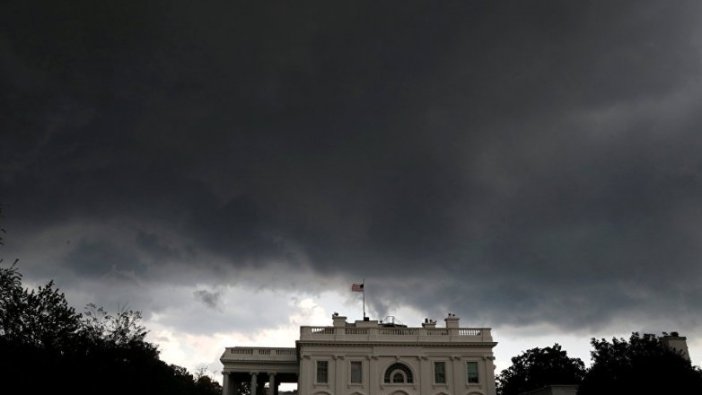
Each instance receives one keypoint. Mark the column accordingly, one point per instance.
(254, 381)
(490, 375)
(271, 383)
(339, 375)
(459, 375)
(225, 384)
(374, 377)
(426, 373)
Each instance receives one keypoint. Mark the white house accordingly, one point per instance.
(370, 357)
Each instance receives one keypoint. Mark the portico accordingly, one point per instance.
(262, 369)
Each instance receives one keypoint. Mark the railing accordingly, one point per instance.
(380, 333)
(398, 331)
(260, 353)
(244, 351)
(322, 330)
(356, 331)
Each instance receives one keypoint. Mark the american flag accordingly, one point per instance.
(355, 287)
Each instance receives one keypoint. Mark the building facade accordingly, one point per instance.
(370, 357)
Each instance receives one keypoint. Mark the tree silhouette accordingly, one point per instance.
(47, 347)
(40, 318)
(205, 384)
(643, 365)
(539, 367)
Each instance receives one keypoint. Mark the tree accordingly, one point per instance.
(539, 367)
(643, 365)
(204, 384)
(37, 331)
(121, 329)
(40, 318)
(47, 347)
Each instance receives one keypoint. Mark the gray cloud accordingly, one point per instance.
(208, 298)
(524, 163)
(99, 258)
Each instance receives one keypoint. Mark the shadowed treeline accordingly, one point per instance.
(645, 364)
(47, 347)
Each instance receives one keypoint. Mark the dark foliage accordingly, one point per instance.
(47, 347)
(539, 367)
(2, 230)
(641, 366)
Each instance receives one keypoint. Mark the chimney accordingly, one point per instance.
(451, 321)
(676, 343)
(339, 320)
(428, 323)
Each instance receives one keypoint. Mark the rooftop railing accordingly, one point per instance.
(260, 353)
(395, 334)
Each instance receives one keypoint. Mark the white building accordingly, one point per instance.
(370, 358)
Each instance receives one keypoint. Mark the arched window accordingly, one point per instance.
(398, 373)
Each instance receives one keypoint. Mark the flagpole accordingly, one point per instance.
(364, 298)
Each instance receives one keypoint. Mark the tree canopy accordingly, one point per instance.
(47, 347)
(538, 367)
(642, 365)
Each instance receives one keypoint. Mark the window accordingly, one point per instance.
(398, 377)
(472, 370)
(356, 372)
(440, 372)
(398, 373)
(322, 372)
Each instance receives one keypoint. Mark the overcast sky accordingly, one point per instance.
(230, 168)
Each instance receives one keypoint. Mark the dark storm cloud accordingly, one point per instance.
(208, 298)
(99, 258)
(524, 161)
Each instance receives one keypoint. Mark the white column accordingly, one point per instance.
(253, 383)
(225, 384)
(426, 374)
(271, 383)
(459, 377)
(339, 376)
(373, 376)
(490, 376)
(305, 378)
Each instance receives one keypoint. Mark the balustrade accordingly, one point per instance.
(262, 353)
(338, 333)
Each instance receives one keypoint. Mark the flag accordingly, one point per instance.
(355, 287)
